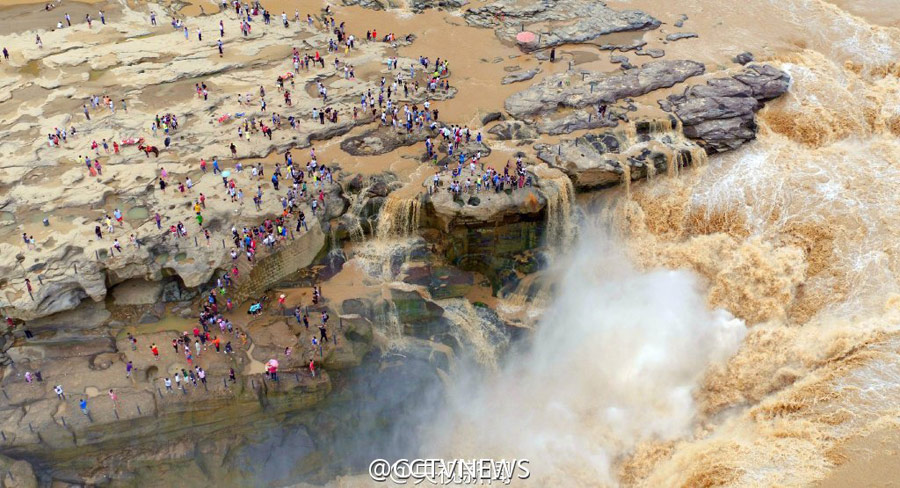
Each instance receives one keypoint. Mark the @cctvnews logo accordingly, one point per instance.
(445, 472)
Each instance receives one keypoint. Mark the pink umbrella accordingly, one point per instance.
(525, 37)
(273, 363)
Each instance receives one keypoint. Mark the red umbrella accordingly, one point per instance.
(525, 37)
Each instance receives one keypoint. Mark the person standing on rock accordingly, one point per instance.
(59, 392)
(84, 408)
(114, 398)
(222, 52)
(87, 113)
(29, 288)
(168, 384)
(155, 351)
(128, 367)
(199, 35)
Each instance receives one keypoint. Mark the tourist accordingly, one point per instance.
(83, 406)
(59, 392)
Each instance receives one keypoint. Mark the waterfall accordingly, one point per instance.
(399, 217)
(560, 226)
(354, 228)
(478, 327)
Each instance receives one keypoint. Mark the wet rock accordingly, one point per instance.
(520, 76)
(441, 281)
(336, 204)
(355, 185)
(174, 291)
(513, 130)
(378, 189)
(602, 160)
(493, 208)
(582, 119)
(153, 315)
(412, 308)
(720, 115)
(680, 22)
(618, 59)
(743, 58)
(681, 35)
(381, 140)
(491, 117)
(653, 53)
(357, 306)
(332, 264)
(473, 201)
(591, 88)
(634, 45)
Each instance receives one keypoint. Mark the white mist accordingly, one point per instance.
(615, 361)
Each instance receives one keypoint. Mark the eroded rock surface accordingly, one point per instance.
(720, 114)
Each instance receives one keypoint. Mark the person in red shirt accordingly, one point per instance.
(155, 351)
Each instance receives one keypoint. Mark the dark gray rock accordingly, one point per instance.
(720, 115)
(520, 76)
(552, 94)
(491, 117)
(681, 35)
(513, 130)
(653, 53)
(743, 58)
(173, 291)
